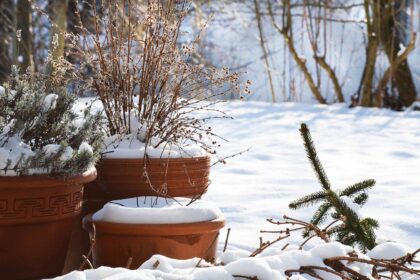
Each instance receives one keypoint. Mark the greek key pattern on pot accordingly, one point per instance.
(40, 207)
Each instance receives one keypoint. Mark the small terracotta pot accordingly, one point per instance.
(37, 215)
(115, 243)
(124, 178)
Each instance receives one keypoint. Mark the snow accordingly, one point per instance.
(50, 101)
(129, 146)
(133, 145)
(11, 93)
(389, 250)
(329, 250)
(154, 210)
(14, 149)
(51, 149)
(353, 145)
(261, 267)
(85, 147)
(402, 49)
(353, 206)
(11, 151)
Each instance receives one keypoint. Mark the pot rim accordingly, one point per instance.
(32, 181)
(153, 160)
(154, 229)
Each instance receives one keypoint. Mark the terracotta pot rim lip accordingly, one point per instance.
(156, 159)
(121, 228)
(85, 177)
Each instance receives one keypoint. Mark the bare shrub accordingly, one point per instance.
(134, 64)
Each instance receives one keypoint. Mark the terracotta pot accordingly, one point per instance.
(37, 214)
(123, 178)
(115, 243)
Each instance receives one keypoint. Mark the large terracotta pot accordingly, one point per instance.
(116, 243)
(37, 215)
(124, 178)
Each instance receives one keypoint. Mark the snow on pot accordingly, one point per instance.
(141, 227)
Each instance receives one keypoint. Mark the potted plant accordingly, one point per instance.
(152, 91)
(47, 153)
(126, 233)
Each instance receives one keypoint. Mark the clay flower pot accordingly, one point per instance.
(117, 242)
(37, 214)
(124, 178)
(172, 177)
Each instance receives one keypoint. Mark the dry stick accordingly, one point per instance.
(222, 160)
(246, 277)
(283, 231)
(290, 221)
(129, 262)
(306, 241)
(87, 261)
(156, 264)
(385, 264)
(338, 266)
(226, 241)
(199, 195)
(207, 251)
(312, 267)
(267, 244)
(309, 272)
(92, 243)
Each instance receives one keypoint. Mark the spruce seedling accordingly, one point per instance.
(353, 229)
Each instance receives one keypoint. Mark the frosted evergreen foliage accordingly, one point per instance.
(339, 204)
(39, 131)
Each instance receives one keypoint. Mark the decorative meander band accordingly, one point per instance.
(41, 208)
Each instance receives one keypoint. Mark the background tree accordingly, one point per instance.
(394, 34)
(23, 56)
(58, 15)
(6, 31)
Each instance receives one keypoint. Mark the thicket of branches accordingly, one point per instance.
(405, 267)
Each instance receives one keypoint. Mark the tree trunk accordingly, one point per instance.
(58, 15)
(5, 60)
(366, 86)
(401, 77)
(6, 28)
(23, 46)
(264, 49)
(287, 32)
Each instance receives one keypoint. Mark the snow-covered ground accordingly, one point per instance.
(353, 144)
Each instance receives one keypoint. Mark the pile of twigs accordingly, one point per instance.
(338, 266)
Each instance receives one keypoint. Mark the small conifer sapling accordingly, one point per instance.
(353, 230)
